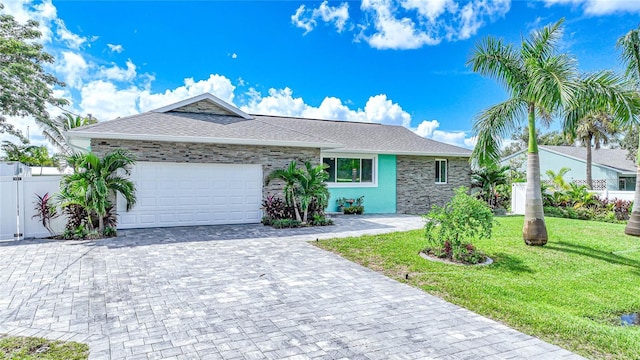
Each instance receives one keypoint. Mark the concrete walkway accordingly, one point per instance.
(239, 292)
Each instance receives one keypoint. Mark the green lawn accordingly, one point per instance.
(26, 348)
(569, 292)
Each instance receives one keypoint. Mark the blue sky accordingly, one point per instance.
(390, 61)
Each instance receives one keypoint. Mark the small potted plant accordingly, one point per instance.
(354, 209)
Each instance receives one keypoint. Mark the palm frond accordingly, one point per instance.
(629, 44)
(499, 61)
(492, 126)
(542, 43)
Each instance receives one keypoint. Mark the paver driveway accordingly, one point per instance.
(238, 292)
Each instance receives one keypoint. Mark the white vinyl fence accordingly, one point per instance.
(518, 196)
(17, 196)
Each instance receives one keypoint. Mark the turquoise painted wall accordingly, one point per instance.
(555, 162)
(377, 200)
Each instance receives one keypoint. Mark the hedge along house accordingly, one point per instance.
(202, 161)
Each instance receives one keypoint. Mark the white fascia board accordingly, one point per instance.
(196, 139)
(205, 96)
(411, 153)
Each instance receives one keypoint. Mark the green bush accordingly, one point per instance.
(451, 229)
(356, 209)
(319, 220)
(285, 223)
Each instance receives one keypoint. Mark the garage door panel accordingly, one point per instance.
(182, 194)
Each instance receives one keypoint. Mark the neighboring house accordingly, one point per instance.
(610, 167)
(202, 161)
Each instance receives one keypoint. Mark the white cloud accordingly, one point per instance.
(391, 32)
(426, 128)
(72, 40)
(408, 24)
(429, 129)
(71, 67)
(307, 19)
(117, 73)
(234, 56)
(600, 7)
(116, 48)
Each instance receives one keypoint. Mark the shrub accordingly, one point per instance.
(45, 211)
(451, 229)
(276, 208)
(285, 223)
(319, 220)
(353, 210)
(109, 232)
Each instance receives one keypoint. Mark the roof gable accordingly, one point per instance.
(204, 104)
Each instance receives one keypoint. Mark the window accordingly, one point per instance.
(441, 171)
(350, 169)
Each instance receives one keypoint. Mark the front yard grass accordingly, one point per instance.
(26, 348)
(570, 292)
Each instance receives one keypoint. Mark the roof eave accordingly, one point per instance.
(199, 139)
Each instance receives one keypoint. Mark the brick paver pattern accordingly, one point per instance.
(239, 292)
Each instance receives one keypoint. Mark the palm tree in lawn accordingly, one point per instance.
(97, 181)
(289, 176)
(541, 83)
(629, 44)
(596, 129)
(312, 185)
(53, 129)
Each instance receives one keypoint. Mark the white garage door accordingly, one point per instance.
(183, 194)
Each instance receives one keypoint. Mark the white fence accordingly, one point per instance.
(17, 195)
(518, 196)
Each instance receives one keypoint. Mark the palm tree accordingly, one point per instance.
(53, 129)
(97, 181)
(312, 185)
(487, 179)
(594, 129)
(541, 83)
(290, 177)
(629, 44)
(559, 183)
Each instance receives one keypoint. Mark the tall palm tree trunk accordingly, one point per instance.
(589, 179)
(534, 231)
(633, 225)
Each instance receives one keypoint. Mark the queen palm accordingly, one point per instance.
(541, 83)
(629, 44)
(97, 181)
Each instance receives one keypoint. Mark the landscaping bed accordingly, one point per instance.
(570, 292)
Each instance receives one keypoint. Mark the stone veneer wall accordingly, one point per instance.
(416, 187)
(270, 157)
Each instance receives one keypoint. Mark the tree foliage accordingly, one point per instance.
(96, 183)
(25, 87)
(30, 155)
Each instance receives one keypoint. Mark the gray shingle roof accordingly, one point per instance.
(262, 129)
(613, 158)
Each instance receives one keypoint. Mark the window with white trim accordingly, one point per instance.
(441, 171)
(350, 169)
